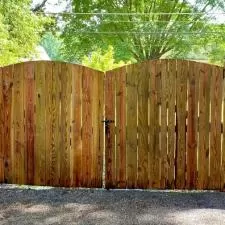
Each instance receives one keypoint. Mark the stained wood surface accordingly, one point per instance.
(131, 132)
(110, 130)
(121, 127)
(77, 126)
(215, 134)
(163, 140)
(166, 130)
(143, 128)
(2, 153)
(193, 86)
(154, 149)
(171, 76)
(204, 108)
(18, 126)
(181, 100)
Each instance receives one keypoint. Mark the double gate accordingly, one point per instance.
(157, 124)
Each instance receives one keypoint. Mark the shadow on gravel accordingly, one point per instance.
(82, 206)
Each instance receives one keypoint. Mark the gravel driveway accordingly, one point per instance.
(25, 205)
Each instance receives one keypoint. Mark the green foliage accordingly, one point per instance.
(52, 44)
(20, 30)
(145, 36)
(102, 61)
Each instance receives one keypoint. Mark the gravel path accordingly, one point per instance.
(25, 205)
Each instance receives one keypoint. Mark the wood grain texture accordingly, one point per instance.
(121, 127)
(215, 135)
(40, 139)
(143, 128)
(48, 124)
(87, 135)
(193, 86)
(95, 127)
(1, 129)
(100, 150)
(131, 138)
(110, 173)
(55, 125)
(204, 131)
(222, 186)
(77, 125)
(29, 106)
(7, 75)
(181, 100)
(66, 85)
(18, 125)
(154, 150)
(171, 76)
(163, 143)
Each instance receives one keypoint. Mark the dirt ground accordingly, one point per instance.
(37, 205)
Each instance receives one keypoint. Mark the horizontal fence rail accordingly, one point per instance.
(156, 124)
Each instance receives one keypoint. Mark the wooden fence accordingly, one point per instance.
(50, 124)
(164, 125)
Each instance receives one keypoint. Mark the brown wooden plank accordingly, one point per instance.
(121, 127)
(76, 127)
(154, 151)
(66, 83)
(95, 124)
(7, 75)
(171, 76)
(222, 186)
(55, 129)
(87, 136)
(97, 117)
(18, 125)
(215, 135)
(110, 130)
(181, 100)
(48, 125)
(204, 107)
(99, 166)
(163, 144)
(131, 139)
(193, 86)
(2, 133)
(143, 128)
(29, 105)
(40, 120)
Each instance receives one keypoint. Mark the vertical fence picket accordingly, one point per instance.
(204, 107)
(7, 76)
(171, 76)
(110, 130)
(18, 125)
(77, 126)
(121, 126)
(1, 129)
(215, 134)
(192, 116)
(143, 128)
(131, 137)
(181, 101)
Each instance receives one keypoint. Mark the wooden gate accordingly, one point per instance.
(165, 126)
(50, 124)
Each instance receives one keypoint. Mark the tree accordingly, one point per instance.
(141, 32)
(53, 45)
(20, 30)
(102, 61)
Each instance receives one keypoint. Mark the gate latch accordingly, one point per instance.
(107, 122)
